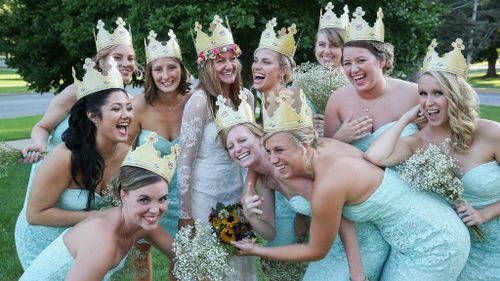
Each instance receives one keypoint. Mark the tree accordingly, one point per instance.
(484, 31)
(47, 38)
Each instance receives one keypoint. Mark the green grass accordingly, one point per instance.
(17, 128)
(490, 112)
(12, 191)
(11, 82)
(476, 80)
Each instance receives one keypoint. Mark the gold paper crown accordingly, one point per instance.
(359, 29)
(120, 36)
(146, 156)
(226, 116)
(284, 43)
(453, 61)
(156, 49)
(285, 117)
(330, 20)
(93, 81)
(221, 36)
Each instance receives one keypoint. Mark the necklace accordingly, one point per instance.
(366, 107)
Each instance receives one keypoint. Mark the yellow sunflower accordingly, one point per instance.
(215, 223)
(231, 220)
(227, 235)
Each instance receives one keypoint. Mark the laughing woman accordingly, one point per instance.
(97, 246)
(358, 113)
(206, 173)
(159, 109)
(69, 182)
(451, 108)
(428, 241)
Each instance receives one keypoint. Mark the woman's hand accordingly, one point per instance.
(352, 130)
(251, 205)
(319, 124)
(470, 216)
(414, 115)
(246, 247)
(31, 152)
(185, 222)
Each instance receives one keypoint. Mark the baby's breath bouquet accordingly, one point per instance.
(318, 82)
(199, 254)
(434, 169)
(9, 156)
(230, 225)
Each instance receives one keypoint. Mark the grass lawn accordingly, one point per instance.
(17, 128)
(477, 82)
(11, 82)
(490, 112)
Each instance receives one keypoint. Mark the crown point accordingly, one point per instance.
(171, 34)
(152, 35)
(380, 15)
(119, 21)
(329, 6)
(346, 9)
(88, 64)
(458, 44)
(359, 12)
(197, 27)
(293, 29)
(100, 24)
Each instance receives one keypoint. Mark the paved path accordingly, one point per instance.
(17, 105)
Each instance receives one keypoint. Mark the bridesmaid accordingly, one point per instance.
(159, 109)
(358, 113)
(428, 241)
(69, 182)
(451, 106)
(206, 173)
(97, 246)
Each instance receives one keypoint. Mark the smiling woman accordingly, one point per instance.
(93, 149)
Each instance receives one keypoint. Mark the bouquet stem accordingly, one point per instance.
(476, 229)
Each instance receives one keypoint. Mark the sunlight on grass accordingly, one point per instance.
(17, 128)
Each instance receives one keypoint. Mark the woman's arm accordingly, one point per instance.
(162, 240)
(389, 149)
(51, 180)
(192, 126)
(349, 237)
(327, 202)
(58, 109)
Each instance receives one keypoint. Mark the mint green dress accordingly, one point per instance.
(30, 239)
(170, 219)
(428, 240)
(482, 188)
(55, 262)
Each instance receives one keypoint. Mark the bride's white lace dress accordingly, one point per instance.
(206, 174)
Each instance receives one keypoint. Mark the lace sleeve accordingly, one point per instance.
(193, 122)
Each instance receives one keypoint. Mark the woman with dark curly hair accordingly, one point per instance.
(70, 181)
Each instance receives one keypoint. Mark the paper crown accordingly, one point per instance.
(330, 20)
(156, 49)
(227, 117)
(146, 156)
(94, 81)
(221, 36)
(120, 36)
(359, 29)
(453, 61)
(285, 117)
(283, 43)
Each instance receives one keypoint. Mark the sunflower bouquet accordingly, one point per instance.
(318, 82)
(9, 156)
(433, 169)
(229, 225)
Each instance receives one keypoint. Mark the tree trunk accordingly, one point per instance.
(492, 59)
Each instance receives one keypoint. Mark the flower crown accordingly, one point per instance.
(209, 47)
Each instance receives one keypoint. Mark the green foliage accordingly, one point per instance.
(47, 38)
